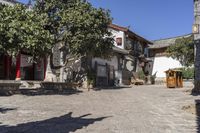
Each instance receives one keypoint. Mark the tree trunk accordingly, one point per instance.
(62, 68)
(49, 75)
(197, 69)
(87, 66)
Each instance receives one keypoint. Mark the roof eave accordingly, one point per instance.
(121, 51)
(157, 47)
(130, 33)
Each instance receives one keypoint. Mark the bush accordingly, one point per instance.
(91, 77)
(153, 78)
(188, 73)
(141, 75)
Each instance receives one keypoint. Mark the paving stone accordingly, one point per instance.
(141, 109)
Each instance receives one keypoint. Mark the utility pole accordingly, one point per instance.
(196, 33)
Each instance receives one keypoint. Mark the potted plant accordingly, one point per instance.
(90, 83)
(153, 78)
(91, 79)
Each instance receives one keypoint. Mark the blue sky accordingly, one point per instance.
(152, 19)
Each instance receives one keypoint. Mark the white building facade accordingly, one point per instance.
(127, 48)
(161, 62)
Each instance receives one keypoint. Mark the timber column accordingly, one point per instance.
(18, 73)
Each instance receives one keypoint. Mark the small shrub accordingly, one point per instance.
(141, 75)
(91, 77)
(153, 78)
(188, 73)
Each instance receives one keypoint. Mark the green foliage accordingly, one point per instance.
(91, 77)
(183, 51)
(188, 73)
(141, 75)
(82, 28)
(22, 30)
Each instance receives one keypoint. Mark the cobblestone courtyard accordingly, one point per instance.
(141, 109)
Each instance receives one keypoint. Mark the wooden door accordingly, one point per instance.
(111, 75)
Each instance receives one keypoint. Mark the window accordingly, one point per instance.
(119, 41)
(129, 44)
(146, 52)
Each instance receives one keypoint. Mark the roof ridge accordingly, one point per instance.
(173, 37)
(128, 31)
(112, 24)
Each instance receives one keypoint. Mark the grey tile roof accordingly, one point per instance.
(162, 43)
(11, 1)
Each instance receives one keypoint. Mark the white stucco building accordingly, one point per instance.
(164, 63)
(128, 46)
(161, 62)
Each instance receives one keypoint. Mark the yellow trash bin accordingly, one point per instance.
(174, 78)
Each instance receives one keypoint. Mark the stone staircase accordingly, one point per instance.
(30, 87)
(10, 87)
(47, 88)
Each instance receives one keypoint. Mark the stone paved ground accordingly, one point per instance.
(141, 109)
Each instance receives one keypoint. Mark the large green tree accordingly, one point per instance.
(183, 51)
(81, 27)
(22, 30)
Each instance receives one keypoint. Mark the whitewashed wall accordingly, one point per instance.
(162, 64)
(117, 34)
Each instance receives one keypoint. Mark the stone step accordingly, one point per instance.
(30, 84)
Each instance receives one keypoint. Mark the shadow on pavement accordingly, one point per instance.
(36, 92)
(4, 110)
(111, 88)
(194, 93)
(62, 124)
